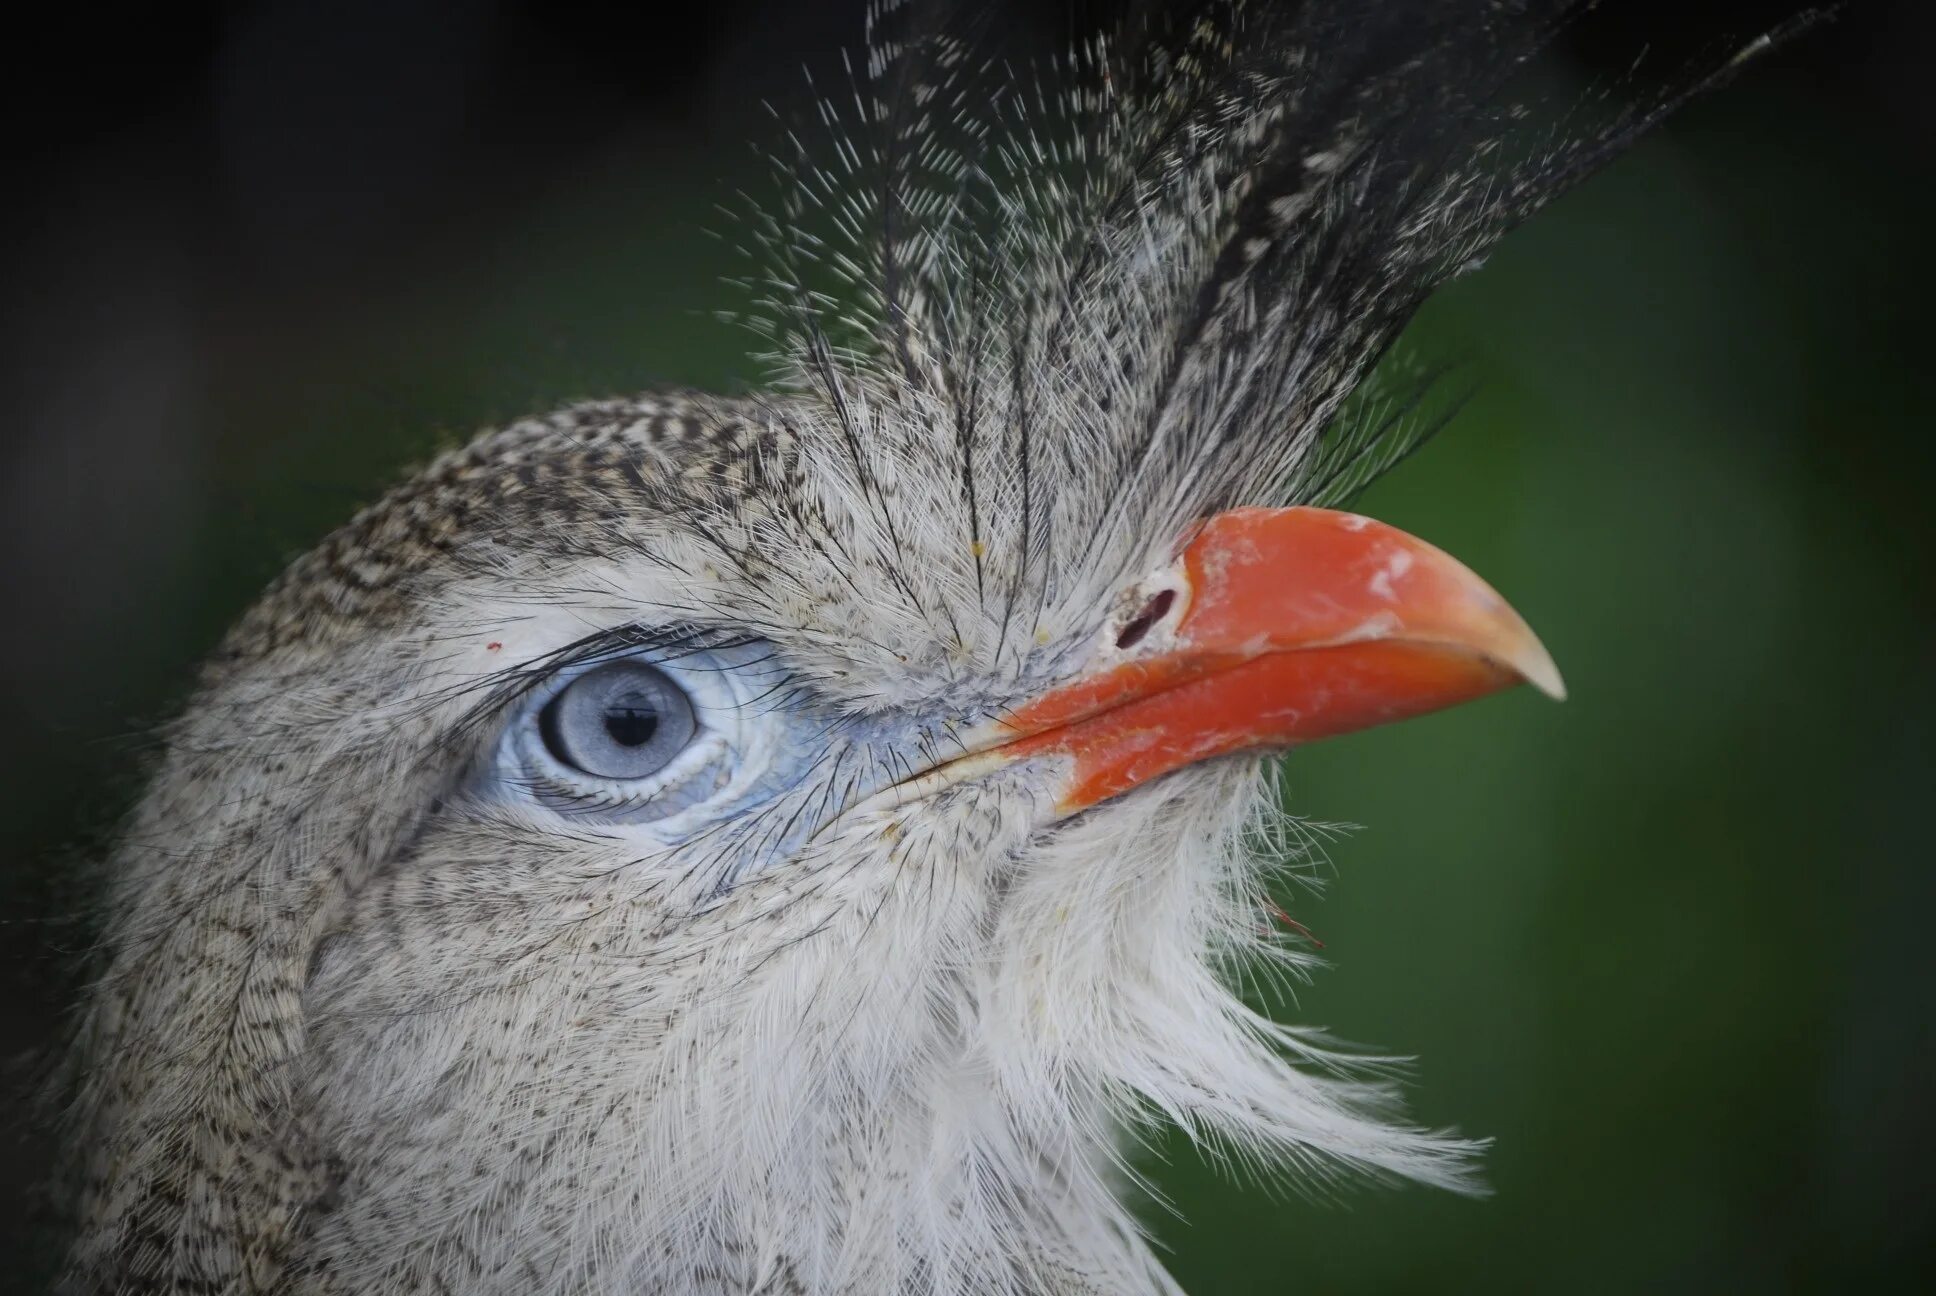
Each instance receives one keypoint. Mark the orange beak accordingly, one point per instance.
(1276, 627)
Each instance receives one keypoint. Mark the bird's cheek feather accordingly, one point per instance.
(1276, 627)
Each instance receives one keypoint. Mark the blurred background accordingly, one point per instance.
(1668, 945)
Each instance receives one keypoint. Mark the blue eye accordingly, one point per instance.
(624, 720)
(667, 744)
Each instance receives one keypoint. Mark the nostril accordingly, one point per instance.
(1139, 625)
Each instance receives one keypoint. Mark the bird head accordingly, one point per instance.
(788, 842)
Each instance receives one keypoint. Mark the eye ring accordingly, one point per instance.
(716, 741)
(622, 721)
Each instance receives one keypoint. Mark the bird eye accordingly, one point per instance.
(668, 743)
(624, 720)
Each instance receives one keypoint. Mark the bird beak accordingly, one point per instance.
(1274, 627)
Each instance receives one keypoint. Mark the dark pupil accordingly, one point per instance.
(631, 720)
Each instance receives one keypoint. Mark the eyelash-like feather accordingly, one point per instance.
(653, 643)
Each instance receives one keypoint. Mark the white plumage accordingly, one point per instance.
(391, 1004)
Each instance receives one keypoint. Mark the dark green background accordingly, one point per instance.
(1666, 944)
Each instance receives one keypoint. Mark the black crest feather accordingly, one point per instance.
(1187, 243)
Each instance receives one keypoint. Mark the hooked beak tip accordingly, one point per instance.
(1536, 666)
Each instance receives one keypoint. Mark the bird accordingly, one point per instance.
(802, 841)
